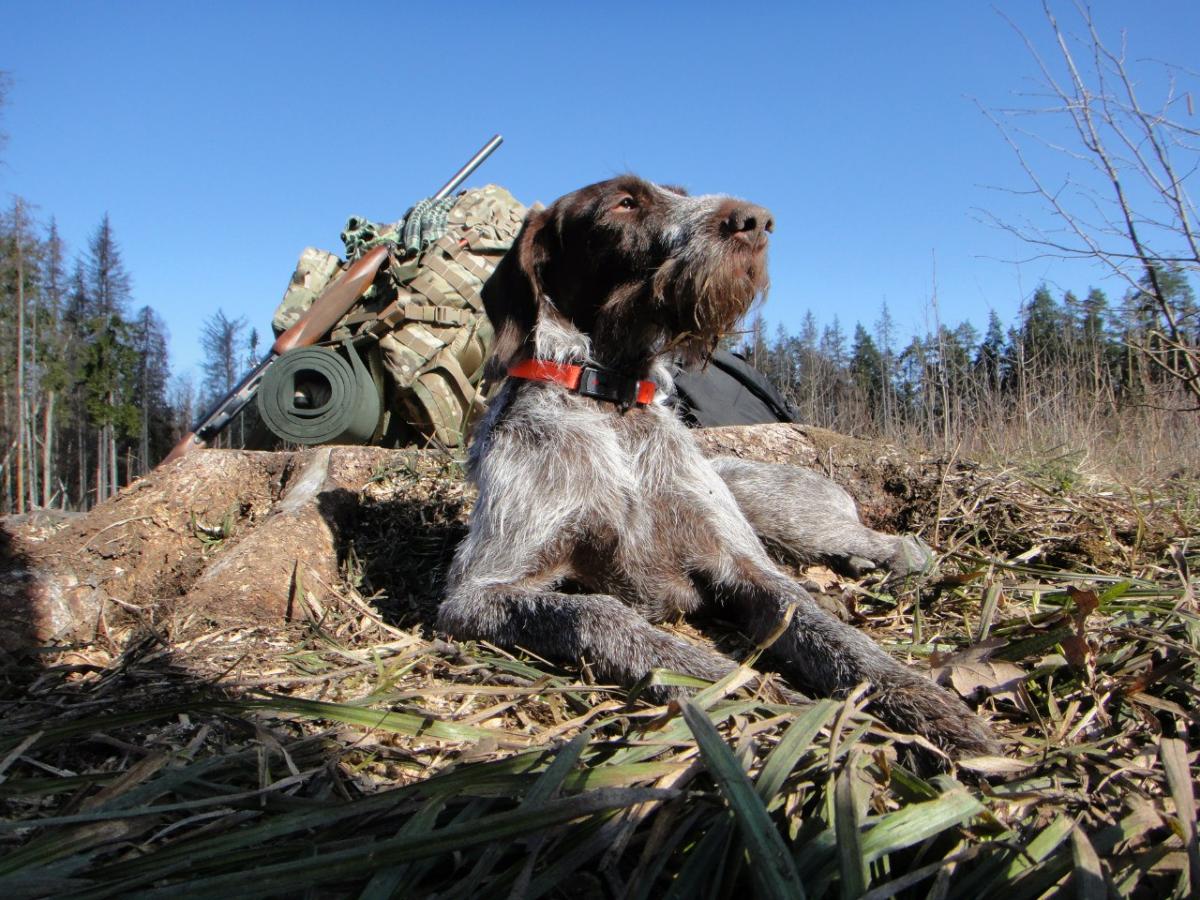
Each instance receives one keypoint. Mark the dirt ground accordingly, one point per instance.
(222, 537)
(239, 647)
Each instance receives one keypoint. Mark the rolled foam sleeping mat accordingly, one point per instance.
(312, 395)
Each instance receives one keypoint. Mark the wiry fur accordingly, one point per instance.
(593, 523)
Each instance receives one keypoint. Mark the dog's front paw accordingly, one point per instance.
(915, 703)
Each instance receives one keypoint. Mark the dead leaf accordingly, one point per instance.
(1086, 601)
(996, 678)
(1076, 650)
(977, 652)
(994, 765)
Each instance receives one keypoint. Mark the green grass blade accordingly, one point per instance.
(569, 857)
(847, 821)
(769, 856)
(676, 733)
(1089, 880)
(52, 847)
(502, 778)
(386, 882)
(552, 779)
(795, 741)
(105, 723)
(1174, 755)
(412, 724)
(703, 864)
(918, 822)
(545, 787)
(1042, 846)
(988, 611)
(620, 774)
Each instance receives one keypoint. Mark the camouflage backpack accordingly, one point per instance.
(420, 329)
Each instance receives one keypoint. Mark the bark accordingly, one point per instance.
(113, 484)
(101, 467)
(20, 404)
(48, 452)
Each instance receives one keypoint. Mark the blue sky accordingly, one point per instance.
(222, 138)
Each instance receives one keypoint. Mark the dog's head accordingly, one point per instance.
(635, 266)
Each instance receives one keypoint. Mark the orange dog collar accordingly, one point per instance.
(587, 381)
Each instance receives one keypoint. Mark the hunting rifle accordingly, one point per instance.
(335, 301)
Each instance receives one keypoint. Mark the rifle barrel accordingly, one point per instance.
(472, 164)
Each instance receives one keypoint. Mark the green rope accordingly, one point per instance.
(426, 222)
(420, 227)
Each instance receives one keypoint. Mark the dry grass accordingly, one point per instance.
(358, 757)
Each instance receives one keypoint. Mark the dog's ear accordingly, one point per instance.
(512, 293)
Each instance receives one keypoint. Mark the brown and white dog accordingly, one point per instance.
(597, 513)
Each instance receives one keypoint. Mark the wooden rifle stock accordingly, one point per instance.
(335, 301)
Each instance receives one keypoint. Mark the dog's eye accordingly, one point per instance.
(627, 203)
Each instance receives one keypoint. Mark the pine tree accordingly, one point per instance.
(182, 403)
(1167, 332)
(808, 331)
(252, 355)
(77, 324)
(963, 345)
(1092, 319)
(109, 284)
(989, 356)
(220, 340)
(1041, 329)
(885, 334)
(784, 362)
(109, 358)
(1095, 354)
(755, 348)
(913, 380)
(866, 368)
(108, 372)
(21, 258)
(809, 366)
(49, 345)
(150, 376)
(833, 343)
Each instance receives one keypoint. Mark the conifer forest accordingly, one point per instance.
(88, 400)
(88, 397)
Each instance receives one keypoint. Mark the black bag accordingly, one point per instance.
(729, 391)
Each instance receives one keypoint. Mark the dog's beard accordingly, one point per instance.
(690, 304)
(704, 298)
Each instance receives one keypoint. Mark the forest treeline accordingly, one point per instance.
(1082, 378)
(87, 397)
(88, 401)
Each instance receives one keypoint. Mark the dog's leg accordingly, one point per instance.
(620, 646)
(526, 531)
(824, 655)
(811, 519)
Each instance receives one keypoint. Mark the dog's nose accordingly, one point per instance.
(750, 223)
